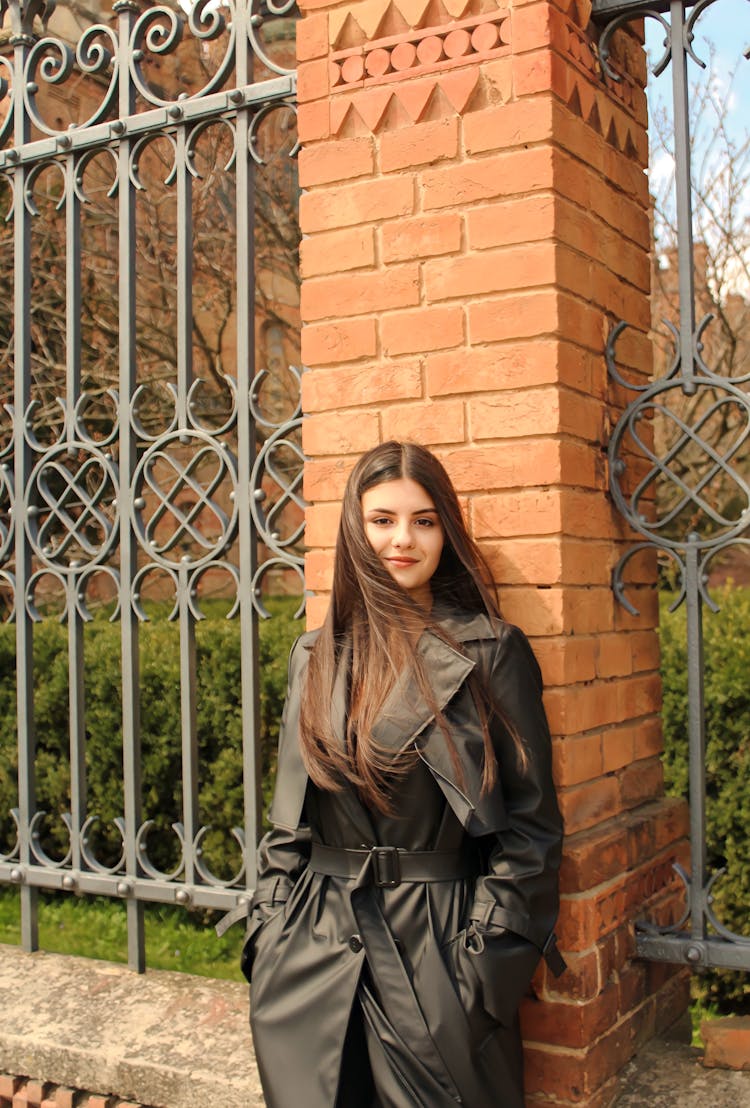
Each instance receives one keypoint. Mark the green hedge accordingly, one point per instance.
(218, 723)
(727, 658)
(727, 699)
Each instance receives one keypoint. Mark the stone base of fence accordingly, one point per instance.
(24, 1092)
(105, 1037)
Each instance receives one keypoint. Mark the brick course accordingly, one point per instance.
(25, 1092)
(727, 1042)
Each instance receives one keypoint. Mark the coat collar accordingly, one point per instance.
(405, 716)
(405, 712)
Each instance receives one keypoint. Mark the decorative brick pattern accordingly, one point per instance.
(411, 59)
(361, 22)
(24, 1092)
(422, 51)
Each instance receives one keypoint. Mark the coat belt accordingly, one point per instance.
(389, 865)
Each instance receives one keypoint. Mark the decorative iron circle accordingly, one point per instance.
(71, 506)
(184, 499)
(6, 513)
(706, 523)
(280, 461)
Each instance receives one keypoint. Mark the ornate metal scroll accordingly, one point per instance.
(133, 451)
(699, 469)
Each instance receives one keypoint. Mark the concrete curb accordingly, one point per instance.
(168, 1040)
(669, 1074)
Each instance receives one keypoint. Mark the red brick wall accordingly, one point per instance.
(24, 1092)
(475, 215)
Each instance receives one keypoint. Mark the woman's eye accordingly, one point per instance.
(425, 522)
(380, 521)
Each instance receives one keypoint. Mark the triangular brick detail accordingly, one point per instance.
(344, 31)
(612, 137)
(594, 119)
(353, 125)
(630, 148)
(394, 117)
(439, 106)
(459, 86)
(575, 102)
(370, 16)
(412, 11)
(457, 8)
(434, 15)
(371, 105)
(414, 96)
(340, 106)
(587, 98)
(393, 23)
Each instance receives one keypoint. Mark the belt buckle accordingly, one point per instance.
(386, 867)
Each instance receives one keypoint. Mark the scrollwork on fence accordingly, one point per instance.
(686, 490)
(141, 458)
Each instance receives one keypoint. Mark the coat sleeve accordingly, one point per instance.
(283, 853)
(516, 899)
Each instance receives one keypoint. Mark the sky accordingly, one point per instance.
(726, 24)
(724, 30)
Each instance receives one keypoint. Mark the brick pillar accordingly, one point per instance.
(475, 217)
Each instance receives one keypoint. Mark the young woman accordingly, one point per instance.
(409, 883)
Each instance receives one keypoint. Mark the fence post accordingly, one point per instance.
(475, 218)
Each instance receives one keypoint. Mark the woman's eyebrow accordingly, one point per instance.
(393, 511)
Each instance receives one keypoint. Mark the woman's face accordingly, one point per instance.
(402, 526)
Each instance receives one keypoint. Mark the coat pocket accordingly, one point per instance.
(258, 929)
(504, 967)
(271, 921)
(459, 962)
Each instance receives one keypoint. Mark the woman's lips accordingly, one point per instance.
(402, 561)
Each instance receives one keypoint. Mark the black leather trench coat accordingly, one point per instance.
(436, 968)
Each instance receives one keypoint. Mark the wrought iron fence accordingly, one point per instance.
(688, 494)
(147, 459)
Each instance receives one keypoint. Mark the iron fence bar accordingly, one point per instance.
(137, 124)
(76, 690)
(683, 199)
(22, 467)
(714, 952)
(188, 670)
(604, 11)
(246, 451)
(696, 739)
(127, 12)
(145, 888)
(77, 724)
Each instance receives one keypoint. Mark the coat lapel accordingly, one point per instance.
(405, 712)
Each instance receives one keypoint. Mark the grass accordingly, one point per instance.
(95, 927)
(699, 1012)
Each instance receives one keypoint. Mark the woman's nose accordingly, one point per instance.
(402, 535)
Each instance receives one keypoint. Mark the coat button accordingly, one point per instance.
(355, 944)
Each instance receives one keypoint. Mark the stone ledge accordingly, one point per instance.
(169, 1040)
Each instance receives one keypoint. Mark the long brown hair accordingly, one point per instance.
(372, 611)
